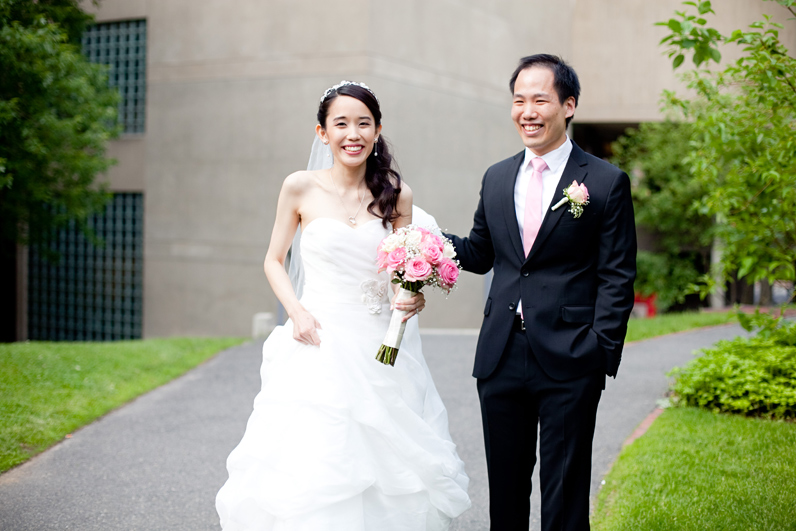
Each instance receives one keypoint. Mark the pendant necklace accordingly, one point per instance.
(351, 219)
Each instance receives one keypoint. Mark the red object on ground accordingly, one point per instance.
(649, 302)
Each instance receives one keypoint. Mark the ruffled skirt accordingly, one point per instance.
(338, 441)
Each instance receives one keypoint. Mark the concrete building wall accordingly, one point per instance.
(232, 92)
(622, 68)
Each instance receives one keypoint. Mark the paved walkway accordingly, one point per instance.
(157, 463)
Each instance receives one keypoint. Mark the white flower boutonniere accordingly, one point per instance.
(577, 195)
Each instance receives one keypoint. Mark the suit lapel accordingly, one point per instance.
(575, 170)
(507, 204)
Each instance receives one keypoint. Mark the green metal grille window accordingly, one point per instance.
(122, 45)
(91, 293)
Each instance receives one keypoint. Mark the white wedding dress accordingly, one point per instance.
(337, 441)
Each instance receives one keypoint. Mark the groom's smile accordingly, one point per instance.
(531, 128)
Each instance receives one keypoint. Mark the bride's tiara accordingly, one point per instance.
(343, 84)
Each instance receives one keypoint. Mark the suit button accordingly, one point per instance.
(525, 272)
(512, 306)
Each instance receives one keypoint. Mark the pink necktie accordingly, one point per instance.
(533, 205)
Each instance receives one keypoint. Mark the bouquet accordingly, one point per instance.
(414, 257)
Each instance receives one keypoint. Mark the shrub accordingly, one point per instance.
(751, 376)
(667, 275)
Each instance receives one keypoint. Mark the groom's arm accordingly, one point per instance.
(475, 252)
(616, 272)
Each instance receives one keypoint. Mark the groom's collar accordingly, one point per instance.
(554, 159)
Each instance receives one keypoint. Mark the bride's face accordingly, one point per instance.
(350, 131)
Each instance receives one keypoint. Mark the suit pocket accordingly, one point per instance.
(488, 306)
(577, 314)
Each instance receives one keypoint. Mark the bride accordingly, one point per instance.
(338, 441)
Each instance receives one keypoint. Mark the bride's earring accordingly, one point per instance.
(375, 146)
(326, 143)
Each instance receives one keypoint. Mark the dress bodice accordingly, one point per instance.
(340, 261)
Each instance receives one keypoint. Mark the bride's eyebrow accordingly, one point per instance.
(343, 118)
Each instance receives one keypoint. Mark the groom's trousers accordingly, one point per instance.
(516, 396)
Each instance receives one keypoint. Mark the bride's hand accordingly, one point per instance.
(305, 329)
(412, 305)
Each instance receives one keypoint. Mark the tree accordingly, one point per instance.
(744, 146)
(664, 195)
(57, 114)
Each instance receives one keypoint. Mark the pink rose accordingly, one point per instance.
(448, 272)
(431, 252)
(578, 193)
(436, 240)
(395, 260)
(417, 269)
(381, 260)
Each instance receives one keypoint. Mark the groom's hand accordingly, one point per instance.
(412, 305)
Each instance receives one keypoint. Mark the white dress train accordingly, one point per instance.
(338, 441)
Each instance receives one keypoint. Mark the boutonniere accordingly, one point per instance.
(577, 195)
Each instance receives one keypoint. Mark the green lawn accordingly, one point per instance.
(638, 329)
(696, 470)
(47, 390)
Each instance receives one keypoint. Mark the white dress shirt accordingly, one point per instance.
(556, 161)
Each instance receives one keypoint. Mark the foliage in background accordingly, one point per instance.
(670, 276)
(697, 470)
(57, 114)
(665, 195)
(48, 390)
(743, 149)
(750, 376)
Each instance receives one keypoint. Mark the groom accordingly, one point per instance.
(555, 319)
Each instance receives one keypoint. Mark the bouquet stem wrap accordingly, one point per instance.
(395, 333)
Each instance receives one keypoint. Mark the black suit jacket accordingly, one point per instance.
(576, 284)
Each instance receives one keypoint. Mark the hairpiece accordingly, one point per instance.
(343, 84)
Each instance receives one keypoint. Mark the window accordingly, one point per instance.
(122, 46)
(91, 293)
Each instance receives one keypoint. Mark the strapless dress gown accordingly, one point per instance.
(338, 441)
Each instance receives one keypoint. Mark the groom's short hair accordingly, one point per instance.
(565, 80)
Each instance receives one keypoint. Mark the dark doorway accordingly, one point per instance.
(8, 291)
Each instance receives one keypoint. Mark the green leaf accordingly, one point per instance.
(675, 25)
(678, 60)
(704, 7)
(715, 54)
(747, 264)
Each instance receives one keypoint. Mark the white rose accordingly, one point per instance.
(390, 243)
(448, 251)
(414, 238)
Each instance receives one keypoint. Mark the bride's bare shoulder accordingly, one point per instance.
(405, 199)
(300, 182)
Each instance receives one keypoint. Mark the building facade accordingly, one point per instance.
(226, 109)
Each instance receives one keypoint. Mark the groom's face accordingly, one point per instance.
(538, 115)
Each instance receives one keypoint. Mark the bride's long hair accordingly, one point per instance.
(381, 179)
